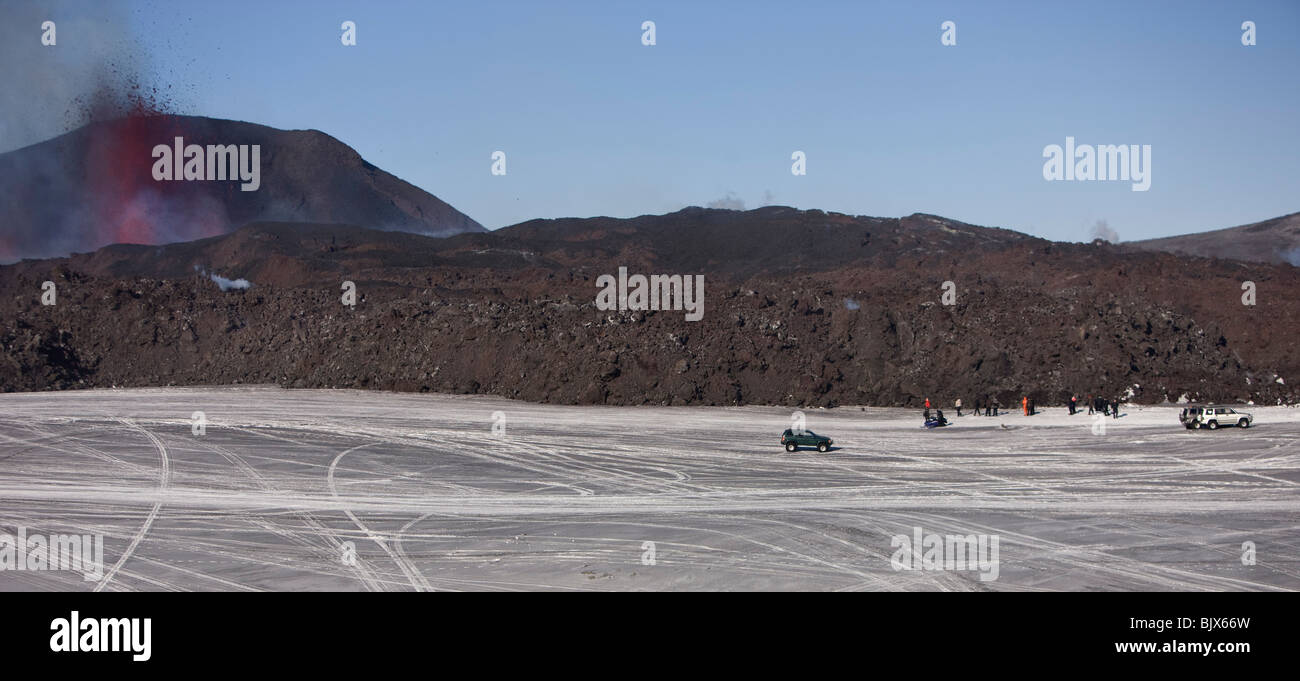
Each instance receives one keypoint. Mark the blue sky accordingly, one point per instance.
(595, 123)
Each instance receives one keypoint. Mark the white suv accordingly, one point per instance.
(1213, 417)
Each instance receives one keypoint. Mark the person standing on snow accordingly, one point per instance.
(959, 406)
(1024, 404)
(1073, 400)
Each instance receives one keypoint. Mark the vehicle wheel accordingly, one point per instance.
(1244, 423)
(822, 448)
(790, 447)
(1190, 426)
(1212, 425)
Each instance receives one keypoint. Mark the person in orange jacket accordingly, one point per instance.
(1024, 402)
(927, 403)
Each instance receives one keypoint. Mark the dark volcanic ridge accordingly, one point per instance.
(94, 186)
(801, 308)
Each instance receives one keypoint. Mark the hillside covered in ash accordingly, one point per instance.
(1276, 241)
(800, 308)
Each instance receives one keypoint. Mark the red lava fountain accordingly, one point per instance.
(129, 205)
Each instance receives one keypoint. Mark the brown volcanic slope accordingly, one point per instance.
(1276, 241)
(801, 308)
(94, 186)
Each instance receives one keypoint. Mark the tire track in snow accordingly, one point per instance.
(163, 478)
(413, 575)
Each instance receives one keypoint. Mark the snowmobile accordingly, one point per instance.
(936, 421)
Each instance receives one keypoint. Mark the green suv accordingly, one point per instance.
(804, 438)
